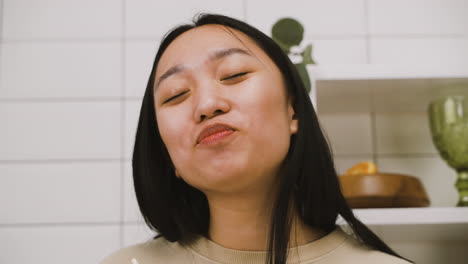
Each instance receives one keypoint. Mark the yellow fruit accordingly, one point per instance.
(365, 167)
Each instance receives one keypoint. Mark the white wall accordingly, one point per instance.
(72, 75)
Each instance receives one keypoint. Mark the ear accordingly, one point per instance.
(293, 122)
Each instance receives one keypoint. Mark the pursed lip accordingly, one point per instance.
(213, 129)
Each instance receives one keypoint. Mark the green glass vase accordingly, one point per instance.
(448, 118)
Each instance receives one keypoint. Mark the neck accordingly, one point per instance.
(242, 222)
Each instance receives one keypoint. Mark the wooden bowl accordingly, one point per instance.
(383, 190)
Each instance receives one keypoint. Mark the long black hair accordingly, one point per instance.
(308, 181)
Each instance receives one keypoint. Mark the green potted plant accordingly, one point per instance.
(288, 33)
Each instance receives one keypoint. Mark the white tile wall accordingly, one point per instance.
(57, 244)
(418, 17)
(344, 97)
(404, 133)
(137, 233)
(60, 69)
(65, 66)
(132, 113)
(343, 51)
(348, 133)
(139, 58)
(387, 95)
(449, 52)
(59, 130)
(319, 17)
(59, 19)
(60, 193)
(144, 17)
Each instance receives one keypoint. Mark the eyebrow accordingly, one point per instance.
(217, 55)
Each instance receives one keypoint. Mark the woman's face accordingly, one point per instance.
(222, 110)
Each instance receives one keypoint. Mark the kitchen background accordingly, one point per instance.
(73, 73)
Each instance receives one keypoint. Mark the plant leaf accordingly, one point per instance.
(307, 55)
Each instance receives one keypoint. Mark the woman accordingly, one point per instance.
(230, 164)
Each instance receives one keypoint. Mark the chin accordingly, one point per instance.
(223, 182)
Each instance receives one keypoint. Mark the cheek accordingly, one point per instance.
(266, 112)
(264, 101)
(173, 133)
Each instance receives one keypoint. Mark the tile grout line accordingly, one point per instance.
(122, 125)
(66, 224)
(52, 160)
(126, 160)
(419, 36)
(57, 224)
(61, 39)
(375, 157)
(312, 36)
(69, 99)
(367, 35)
(369, 61)
(388, 155)
(244, 10)
(373, 123)
(1, 37)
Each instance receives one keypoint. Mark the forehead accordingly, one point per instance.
(194, 45)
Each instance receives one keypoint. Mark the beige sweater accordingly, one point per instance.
(336, 247)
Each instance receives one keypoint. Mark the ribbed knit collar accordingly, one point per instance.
(315, 249)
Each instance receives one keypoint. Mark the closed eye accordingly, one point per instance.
(174, 97)
(234, 76)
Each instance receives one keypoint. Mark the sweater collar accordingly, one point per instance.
(215, 252)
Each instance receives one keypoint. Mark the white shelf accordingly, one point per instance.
(380, 88)
(411, 216)
(384, 89)
(375, 71)
(416, 224)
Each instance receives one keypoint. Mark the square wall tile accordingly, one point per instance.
(404, 133)
(60, 130)
(42, 19)
(132, 115)
(319, 17)
(342, 51)
(152, 19)
(349, 134)
(418, 17)
(438, 179)
(450, 53)
(57, 244)
(402, 95)
(137, 233)
(60, 192)
(343, 96)
(60, 69)
(139, 59)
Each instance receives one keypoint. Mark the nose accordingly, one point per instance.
(210, 102)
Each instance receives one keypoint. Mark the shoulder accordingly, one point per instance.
(155, 251)
(356, 252)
